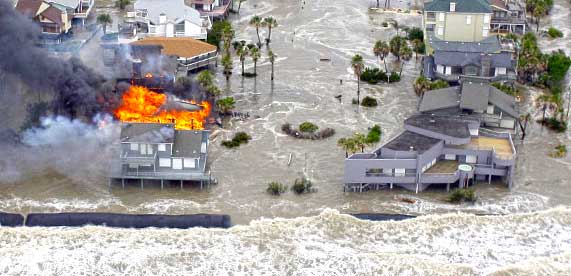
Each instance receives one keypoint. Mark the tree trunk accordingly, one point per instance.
(401, 66)
(537, 29)
(104, 28)
(258, 33)
(377, 4)
(255, 68)
(239, 6)
(346, 154)
(272, 71)
(242, 68)
(358, 88)
(269, 33)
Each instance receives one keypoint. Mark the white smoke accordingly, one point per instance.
(78, 150)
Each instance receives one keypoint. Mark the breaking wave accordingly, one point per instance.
(328, 244)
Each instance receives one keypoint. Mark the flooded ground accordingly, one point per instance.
(304, 90)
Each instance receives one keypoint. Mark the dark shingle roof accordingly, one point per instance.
(490, 44)
(475, 96)
(470, 6)
(408, 139)
(444, 125)
(147, 133)
(188, 143)
(503, 101)
(440, 99)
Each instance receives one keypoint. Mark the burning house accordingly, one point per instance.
(162, 138)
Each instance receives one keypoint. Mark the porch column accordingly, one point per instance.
(142, 184)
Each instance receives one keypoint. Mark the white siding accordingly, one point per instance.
(486, 19)
(190, 163)
(169, 30)
(400, 172)
(471, 159)
(191, 29)
(440, 30)
(441, 17)
(162, 147)
(468, 19)
(165, 162)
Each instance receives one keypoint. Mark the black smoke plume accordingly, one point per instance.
(71, 85)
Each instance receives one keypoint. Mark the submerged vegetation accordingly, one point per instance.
(302, 185)
(553, 32)
(422, 84)
(560, 151)
(359, 141)
(462, 195)
(276, 188)
(369, 102)
(309, 131)
(239, 139)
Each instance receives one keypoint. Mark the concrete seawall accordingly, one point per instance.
(382, 217)
(7, 219)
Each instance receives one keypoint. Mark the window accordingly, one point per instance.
(164, 162)
(134, 146)
(441, 17)
(177, 163)
(450, 156)
(190, 163)
(486, 19)
(490, 109)
(448, 70)
(400, 172)
(468, 19)
(430, 16)
(440, 30)
(162, 147)
(471, 159)
(474, 131)
(501, 71)
(440, 69)
(179, 28)
(470, 71)
(452, 6)
(430, 27)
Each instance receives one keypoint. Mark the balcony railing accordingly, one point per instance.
(131, 158)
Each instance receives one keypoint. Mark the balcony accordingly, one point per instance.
(130, 158)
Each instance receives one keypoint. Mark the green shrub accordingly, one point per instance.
(557, 66)
(415, 33)
(439, 84)
(374, 135)
(239, 139)
(554, 32)
(369, 102)
(461, 195)
(276, 188)
(373, 75)
(215, 34)
(302, 185)
(394, 77)
(505, 88)
(308, 127)
(559, 152)
(556, 125)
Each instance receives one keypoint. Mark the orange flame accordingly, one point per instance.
(141, 105)
(148, 75)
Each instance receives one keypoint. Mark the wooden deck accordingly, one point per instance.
(502, 146)
(444, 166)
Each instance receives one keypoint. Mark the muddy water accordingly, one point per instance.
(304, 90)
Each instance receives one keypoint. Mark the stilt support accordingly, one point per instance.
(123, 183)
(162, 184)
(142, 184)
(181, 184)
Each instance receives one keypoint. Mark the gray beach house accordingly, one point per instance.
(434, 150)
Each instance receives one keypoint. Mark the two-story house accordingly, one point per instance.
(164, 19)
(54, 20)
(458, 42)
(473, 98)
(212, 8)
(79, 10)
(434, 150)
(508, 17)
(161, 152)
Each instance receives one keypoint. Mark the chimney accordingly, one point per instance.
(486, 61)
(452, 6)
(162, 18)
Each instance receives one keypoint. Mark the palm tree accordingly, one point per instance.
(538, 12)
(272, 58)
(348, 144)
(269, 22)
(227, 64)
(358, 65)
(417, 44)
(255, 53)
(396, 44)
(405, 55)
(382, 50)
(122, 4)
(240, 5)
(225, 105)
(395, 25)
(360, 141)
(242, 52)
(205, 78)
(104, 19)
(227, 35)
(256, 21)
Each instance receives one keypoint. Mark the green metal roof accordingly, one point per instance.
(468, 6)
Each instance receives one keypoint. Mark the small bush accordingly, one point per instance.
(308, 127)
(239, 139)
(322, 134)
(559, 152)
(276, 188)
(373, 75)
(554, 32)
(302, 185)
(415, 33)
(462, 195)
(249, 74)
(374, 135)
(505, 88)
(554, 124)
(394, 77)
(369, 102)
(385, 24)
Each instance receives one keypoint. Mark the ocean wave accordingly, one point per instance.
(328, 244)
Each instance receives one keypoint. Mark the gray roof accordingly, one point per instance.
(453, 127)
(147, 133)
(503, 101)
(175, 10)
(489, 44)
(470, 6)
(439, 99)
(408, 139)
(188, 143)
(474, 95)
